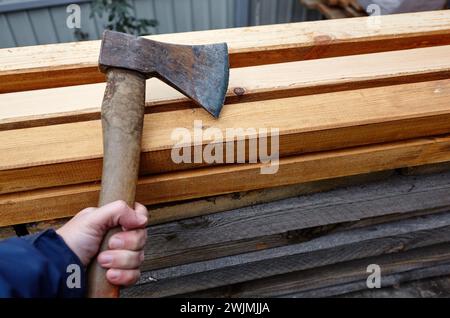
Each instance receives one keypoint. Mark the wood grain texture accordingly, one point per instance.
(162, 213)
(64, 201)
(58, 65)
(281, 222)
(343, 278)
(81, 103)
(65, 154)
(434, 287)
(122, 123)
(426, 169)
(330, 249)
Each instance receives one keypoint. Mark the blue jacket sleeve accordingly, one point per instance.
(40, 265)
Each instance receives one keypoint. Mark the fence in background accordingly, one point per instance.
(33, 22)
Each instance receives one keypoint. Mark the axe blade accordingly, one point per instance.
(201, 72)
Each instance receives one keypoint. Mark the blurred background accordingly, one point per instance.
(44, 21)
(32, 22)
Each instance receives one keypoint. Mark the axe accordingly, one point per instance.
(198, 71)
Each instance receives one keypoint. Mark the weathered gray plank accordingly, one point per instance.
(192, 208)
(389, 280)
(435, 287)
(329, 249)
(341, 278)
(426, 169)
(273, 224)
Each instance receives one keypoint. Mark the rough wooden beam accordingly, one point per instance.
(45, 204)
(279, 223)
(66, 64)
(176, 211)
(72, 153)
(426, 169)
(80, 103)
(434, 287)
(343, 278)
(162, 213)
(335, 248)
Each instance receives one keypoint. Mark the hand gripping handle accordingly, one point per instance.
(122, 121)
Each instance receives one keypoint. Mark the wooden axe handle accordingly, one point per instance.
(122, 121)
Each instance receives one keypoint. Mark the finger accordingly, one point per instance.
(121, 259)
(130, 240)
(357, 6)
(140, 209)
(118, 213)
(123, 277)
(332, 2)
(141, 213)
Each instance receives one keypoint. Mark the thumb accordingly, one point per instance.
(118, 213)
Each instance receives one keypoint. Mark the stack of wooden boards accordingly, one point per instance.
(353, 103)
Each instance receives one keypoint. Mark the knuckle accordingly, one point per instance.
(87, 210)
(136, 239)
(121, 204)
(131, 259)
(142, 209)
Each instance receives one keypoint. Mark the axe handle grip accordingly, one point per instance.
(122, 122)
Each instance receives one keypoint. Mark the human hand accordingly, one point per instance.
(345, 3)
(84, 234)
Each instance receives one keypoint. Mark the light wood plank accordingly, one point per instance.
(163, 213)
(76, 63)
(66, 201)
(72, 153)
(78, 103)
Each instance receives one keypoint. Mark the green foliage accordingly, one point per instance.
(119, 17)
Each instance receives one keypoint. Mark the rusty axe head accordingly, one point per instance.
(198, 71)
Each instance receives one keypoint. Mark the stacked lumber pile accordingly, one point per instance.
(356, 107)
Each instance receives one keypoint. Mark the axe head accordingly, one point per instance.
(198, 71)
